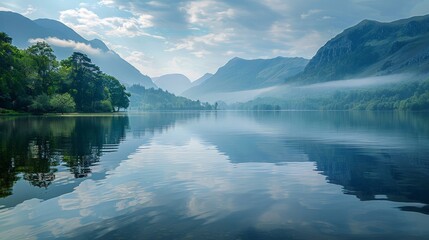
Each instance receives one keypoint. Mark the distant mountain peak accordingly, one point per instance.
(174, 82)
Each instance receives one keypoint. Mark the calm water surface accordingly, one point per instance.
(224, 175)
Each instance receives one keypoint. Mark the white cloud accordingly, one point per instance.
(138, 59)
(156, 4)
(231, 53)
(210, 39)
(144, 63)
(207, 12)
(116, 47)
(200, 54)
(90, 24)
(310, 13)
(107, 2)
(29, 10)
(5, 9)
(78, 46)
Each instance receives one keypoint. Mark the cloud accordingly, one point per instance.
(207, 12)
(156, 4)
(139, 60)
(90, 24)
(78, 46)
(310, 13)
(107, 2)
(210, 39)
(5, 9)
(16, 8)
(200, 54)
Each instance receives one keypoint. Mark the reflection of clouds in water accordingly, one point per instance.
(216, 187)
(60, 226)
(24, 232)
(89, 194)
(196, 181)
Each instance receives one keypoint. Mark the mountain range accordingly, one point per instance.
(368, 49)
(65, 41)
(241, 74)
(371, 48)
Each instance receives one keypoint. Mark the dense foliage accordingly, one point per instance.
(33, 80)
(404, 96)
(157, 99)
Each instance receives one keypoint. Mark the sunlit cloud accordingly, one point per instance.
(90, 24)
(78, 46)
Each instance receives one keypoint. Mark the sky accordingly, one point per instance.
(196, 37)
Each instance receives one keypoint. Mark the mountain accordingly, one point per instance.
(65, 41)
(174, 83)
(240, 74)
(372, 48)
(201, 79)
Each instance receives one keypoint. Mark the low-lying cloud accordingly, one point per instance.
(77, 46)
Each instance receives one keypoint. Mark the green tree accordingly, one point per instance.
(62, 103)
(118, 96)
(44, 63)
(32, 80)
(13, 94)
(86, 82)
(41, 104)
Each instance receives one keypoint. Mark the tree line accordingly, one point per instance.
(33, 80)
(158, 99)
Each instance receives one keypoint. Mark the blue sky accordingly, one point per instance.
(195, 37)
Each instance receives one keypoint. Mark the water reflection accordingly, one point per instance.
(33, 148)
(374, 156)
(224, 175)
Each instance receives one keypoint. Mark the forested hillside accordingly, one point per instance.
(32, 80)
(157, 99)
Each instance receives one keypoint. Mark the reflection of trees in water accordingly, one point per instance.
(80, 166)
(151, 122)
(36, 145)
(40, 179)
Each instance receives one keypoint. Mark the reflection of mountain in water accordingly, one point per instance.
(387, 161)
(372, 155)
(385, 175)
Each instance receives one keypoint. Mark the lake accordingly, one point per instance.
(216, 175)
